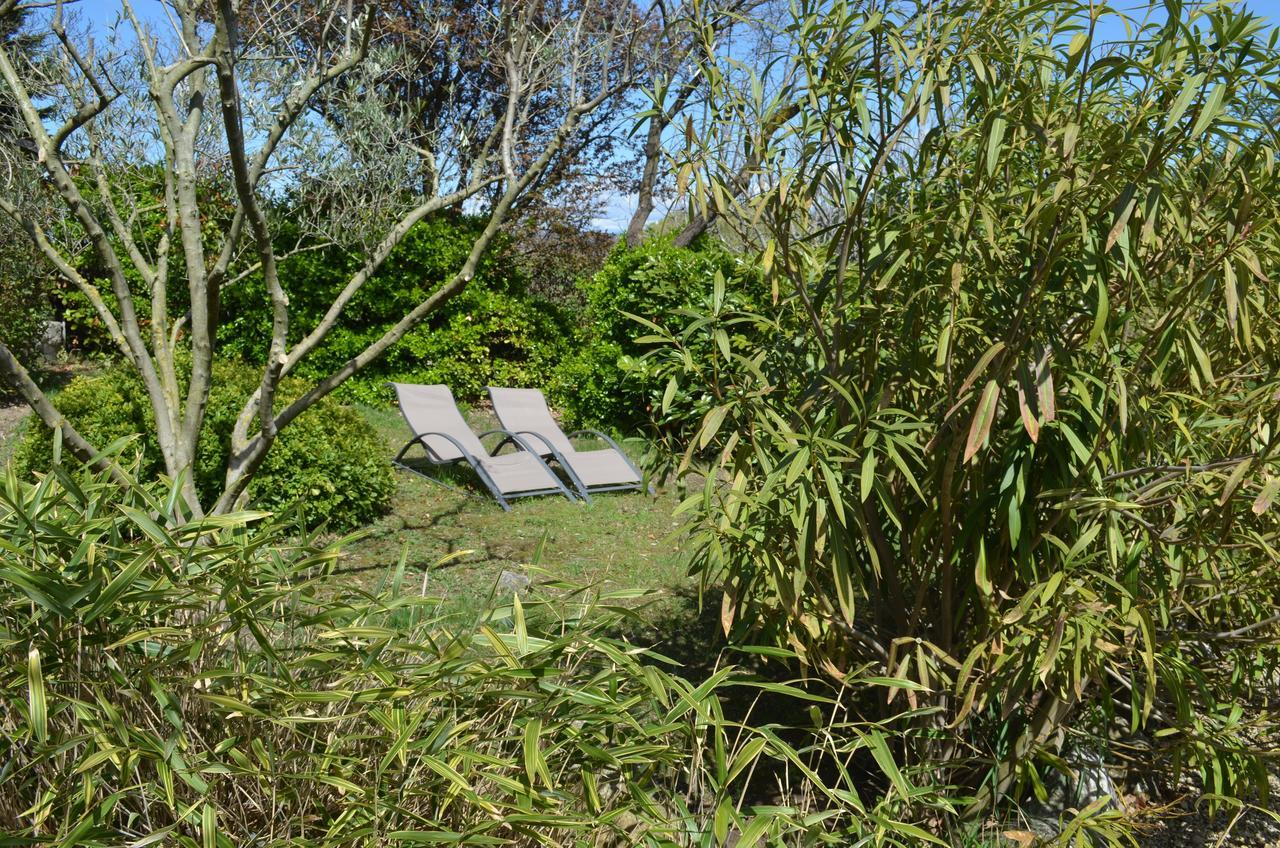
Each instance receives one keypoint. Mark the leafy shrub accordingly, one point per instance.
(207, 683)
(329, 462)
(1009, 433)
(493, 332)
(23, 303)
(605, 382)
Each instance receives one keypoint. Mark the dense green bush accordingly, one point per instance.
(1010, 431)
(493, 332)
(24, 304)
(604, 381)
(212, 683)
(329, 462)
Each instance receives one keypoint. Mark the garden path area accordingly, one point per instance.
(12, 415)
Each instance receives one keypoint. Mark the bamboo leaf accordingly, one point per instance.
(209, 826)
(1267, 496)
(884, 758)
(1231, 293)
(868, 477)
(1028, 402)
(983, 417)
(711, 424)
(1045, 394)
(1124, 210)
(1181, 103)
(980, 366)
(669, 394)
(995, 143)
(38, 708)
(1210, 110)
(1234, 479)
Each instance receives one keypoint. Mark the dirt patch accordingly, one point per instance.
(11, 415)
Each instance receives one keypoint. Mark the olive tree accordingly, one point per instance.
(230, 122)
(1007, 435)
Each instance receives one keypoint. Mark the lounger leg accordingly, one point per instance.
(399, 463)
(502, 444)
(582, 490)
(488, 482)
(404, 450)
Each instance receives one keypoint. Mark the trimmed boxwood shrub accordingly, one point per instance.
(329, 461)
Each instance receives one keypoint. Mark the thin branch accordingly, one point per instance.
(21, 381)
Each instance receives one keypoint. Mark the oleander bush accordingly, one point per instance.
(1009, 431)
(330, 463)
(165, 680)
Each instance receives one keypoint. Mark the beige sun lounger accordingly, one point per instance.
(524, 412)
(440, 430)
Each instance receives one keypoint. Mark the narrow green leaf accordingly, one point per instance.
(884, 758)
(995, 143)
(1210, 110)
(209, 826)
(711, 424)
(868, 477)
(1183, 100)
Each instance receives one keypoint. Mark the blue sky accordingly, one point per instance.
(616, 209)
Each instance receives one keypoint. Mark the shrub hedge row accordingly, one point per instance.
(330, 461)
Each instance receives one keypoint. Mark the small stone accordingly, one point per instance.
(513, 582)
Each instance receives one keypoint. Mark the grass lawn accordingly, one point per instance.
(459, 545)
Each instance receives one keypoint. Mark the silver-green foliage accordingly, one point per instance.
(1008, 429)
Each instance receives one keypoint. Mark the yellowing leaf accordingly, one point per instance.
(1125, 208)
(1028, 403)
(1233, 480)
(983, 417)
(1267, 496)
(1044, 389)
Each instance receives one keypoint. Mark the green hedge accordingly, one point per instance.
(23, 302)
(329, 461)
(493, 332)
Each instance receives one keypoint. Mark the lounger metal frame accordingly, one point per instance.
(584, 491)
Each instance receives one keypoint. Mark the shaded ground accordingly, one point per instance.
(1249, 828)
(13, 412)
